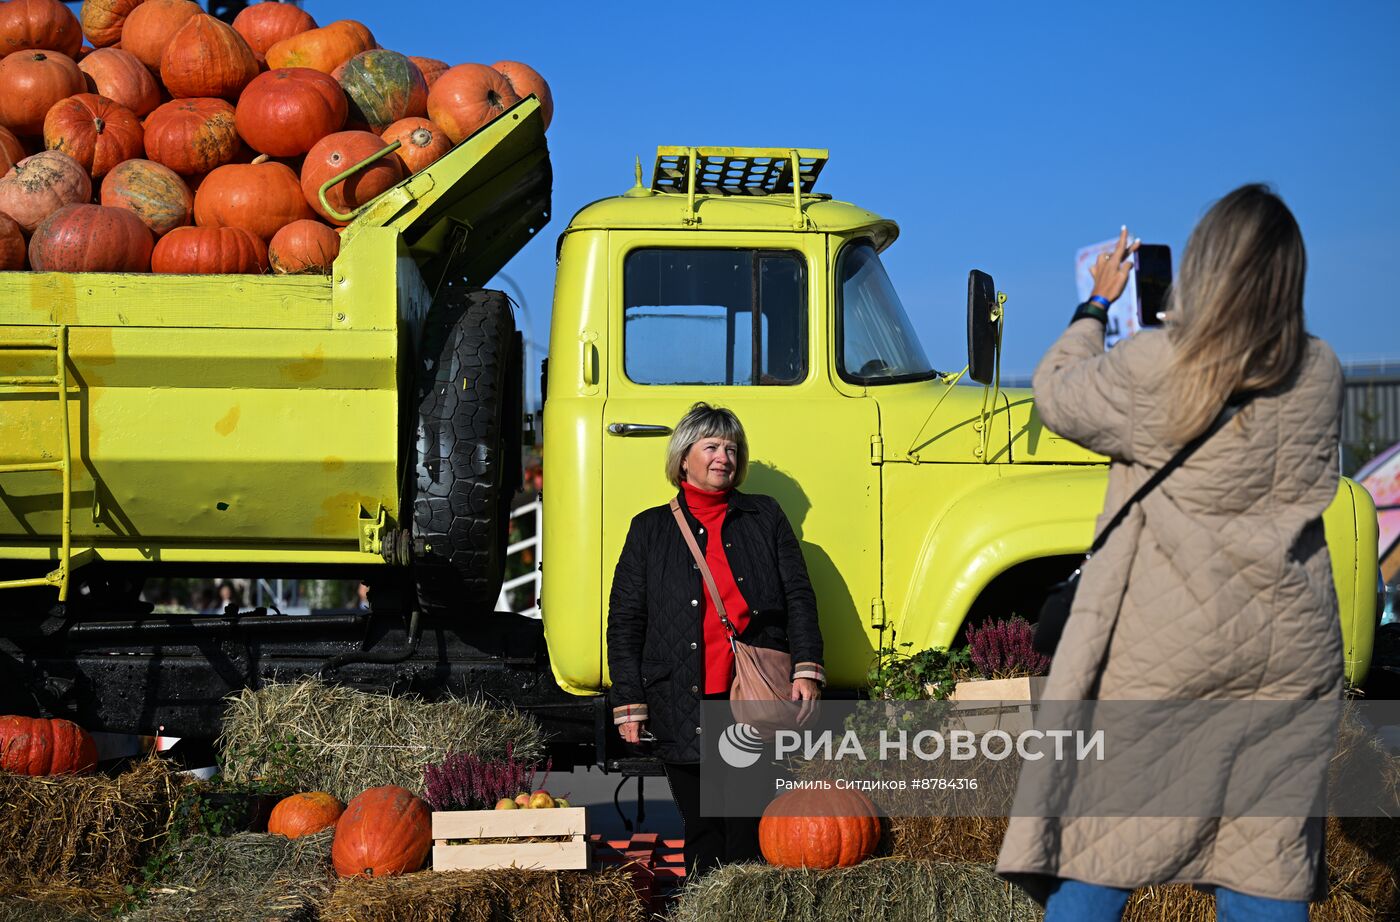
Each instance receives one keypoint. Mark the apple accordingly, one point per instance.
(542, 799)
(505, 803)
(522, 799)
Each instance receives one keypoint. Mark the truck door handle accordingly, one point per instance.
(626, 429)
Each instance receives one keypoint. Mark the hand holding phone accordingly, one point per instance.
(1111, 270)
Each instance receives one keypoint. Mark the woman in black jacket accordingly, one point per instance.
(667, 649)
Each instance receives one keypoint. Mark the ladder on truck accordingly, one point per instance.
(57, 341)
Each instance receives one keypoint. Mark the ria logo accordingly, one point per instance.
(740, 745)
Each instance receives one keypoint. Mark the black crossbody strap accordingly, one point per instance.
(1152, 482)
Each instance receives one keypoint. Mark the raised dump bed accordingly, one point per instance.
(236, 419)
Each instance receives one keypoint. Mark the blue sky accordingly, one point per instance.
(999, 136)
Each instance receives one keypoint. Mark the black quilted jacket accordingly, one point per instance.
(655, 636)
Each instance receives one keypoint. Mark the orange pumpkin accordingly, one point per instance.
(93, 130)
(422, 142)
(322, 49)
(206, 58)
(45, 746)
(38, 186)
(819, 829)
(39, 24)
(210, 251)
(468, 97)
(30, 83)
(302, 814)
(150, 27)
(91, 238)
(263, 25)
(335, 154)
(303, 246)
(285, 111)
(156, 194)
(192, 136)
(102, 20)
(382, 86)
(430, 68)
(386, 830)
(262, 197)
(11, 150)
(12, 247)
(122, 78)
(525, 80)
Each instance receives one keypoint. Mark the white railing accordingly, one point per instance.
(532, 578)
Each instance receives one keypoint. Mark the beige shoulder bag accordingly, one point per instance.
(762, 689)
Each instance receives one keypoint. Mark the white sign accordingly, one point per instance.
(1123, 315)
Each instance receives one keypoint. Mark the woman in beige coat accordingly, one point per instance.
(1218, 586)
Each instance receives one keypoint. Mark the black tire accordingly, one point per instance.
(466, 460)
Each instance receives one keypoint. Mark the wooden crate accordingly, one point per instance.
(498, 824)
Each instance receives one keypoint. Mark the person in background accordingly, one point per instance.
(1218, 585)
(667, 649)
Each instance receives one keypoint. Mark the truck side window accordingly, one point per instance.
(712, 316)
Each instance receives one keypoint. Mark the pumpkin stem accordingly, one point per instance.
(260, 158)
(421, 137)
(493, 99)
(98, 123)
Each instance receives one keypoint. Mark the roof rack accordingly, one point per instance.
(738, 171)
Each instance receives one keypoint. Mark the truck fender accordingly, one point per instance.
(1010, 520)
(1353, 539)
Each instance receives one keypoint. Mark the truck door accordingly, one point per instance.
(742, 327)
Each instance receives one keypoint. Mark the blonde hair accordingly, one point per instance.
(1235, 312)
(706, 422)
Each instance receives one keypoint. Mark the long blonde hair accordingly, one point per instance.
(1235, 312)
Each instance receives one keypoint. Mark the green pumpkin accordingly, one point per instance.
(383, 87)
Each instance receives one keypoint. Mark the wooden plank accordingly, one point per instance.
(483, 824)
(1019, 690)
(544, 856)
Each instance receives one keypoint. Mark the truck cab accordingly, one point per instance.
(920, 503)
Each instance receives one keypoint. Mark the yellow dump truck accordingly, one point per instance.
(367, 424)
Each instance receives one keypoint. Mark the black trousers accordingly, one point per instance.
(709, 840)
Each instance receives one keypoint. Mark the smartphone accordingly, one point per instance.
(1152, 265)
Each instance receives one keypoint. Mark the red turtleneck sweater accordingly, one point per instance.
(709, 509)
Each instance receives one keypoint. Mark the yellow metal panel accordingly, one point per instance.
(1352, 536)
(573, 604)
(113, 300)
(215, 418)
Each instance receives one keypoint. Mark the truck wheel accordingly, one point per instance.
(466, 452)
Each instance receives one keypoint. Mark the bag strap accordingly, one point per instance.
(1176, 461)
(704, 567)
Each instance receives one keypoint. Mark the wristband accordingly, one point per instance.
(1091, 310)
(1101, 301)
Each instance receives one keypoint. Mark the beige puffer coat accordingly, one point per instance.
(1231, 596)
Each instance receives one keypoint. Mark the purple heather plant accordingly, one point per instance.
(465, 782)
(1001, 649)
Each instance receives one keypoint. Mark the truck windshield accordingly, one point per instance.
(876, 343)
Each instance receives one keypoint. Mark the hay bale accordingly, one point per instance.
(947, 838)
(40, 902)
(879, 890)
(314, 736)
(248, 877)
(488, 896)
(84, 831)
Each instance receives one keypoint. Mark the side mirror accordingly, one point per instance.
(983, 326)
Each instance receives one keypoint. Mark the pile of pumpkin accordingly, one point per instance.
(178, 143)
(386, 830)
